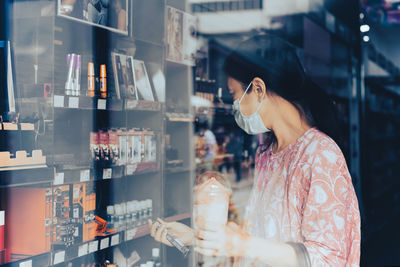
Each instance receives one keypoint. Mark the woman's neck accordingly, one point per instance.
(288, 127)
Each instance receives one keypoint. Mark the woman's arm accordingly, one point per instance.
(232, 241)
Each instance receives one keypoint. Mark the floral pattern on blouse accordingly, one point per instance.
(304, 193)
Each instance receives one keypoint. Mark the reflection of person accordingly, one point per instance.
(175, 36)
(302, 210)
(210, 146)
(118, 15)
(235, 147)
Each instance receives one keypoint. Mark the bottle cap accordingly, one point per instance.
(110, 209)
(90, 69)
(155, 252)
(103, 70)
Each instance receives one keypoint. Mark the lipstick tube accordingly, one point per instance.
(91, 84)
(77, 82)
(69, 84)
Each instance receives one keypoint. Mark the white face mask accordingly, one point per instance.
(252, 124)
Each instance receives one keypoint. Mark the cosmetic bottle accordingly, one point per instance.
(69, 84)
(77, 81)
(91, 82)
(103, 81)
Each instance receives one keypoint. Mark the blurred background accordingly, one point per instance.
(110, 108)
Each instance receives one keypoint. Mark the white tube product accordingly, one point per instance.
(69, 84)
(77, 81)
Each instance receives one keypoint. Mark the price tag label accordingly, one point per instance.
(131, 104)
(83, 250)
(58, 101)
(115, 240)
(85, 175)
(130, 169)
(59, 178)
(73, 102)
(130, 234)
(104, 243)
(26, 264)
(101, 104)
(93, 246)
(107, 173)
(59, 257)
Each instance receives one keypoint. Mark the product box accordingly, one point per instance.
(150, 146)
(63, 229)
(105, 148)
(83, 209)
(114, 147)
(27, 223)
(95, 146)
(2, 249)
(123, 147)
(136, 146)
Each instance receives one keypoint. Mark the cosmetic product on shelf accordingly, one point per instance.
(69, 84)
(28, 222)
(155, 256)
(77, 80)
(91, 80)
(2, 248)
(103, 81)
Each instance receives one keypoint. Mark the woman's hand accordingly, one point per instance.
(159, 229)
(231, 241)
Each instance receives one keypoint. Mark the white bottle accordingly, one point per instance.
(134, 214)
(155, 257)
(118, 217)
(123, 216)
(110, 217)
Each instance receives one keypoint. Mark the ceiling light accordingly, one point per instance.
(364, 28)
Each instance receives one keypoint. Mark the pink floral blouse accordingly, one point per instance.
(304, 194)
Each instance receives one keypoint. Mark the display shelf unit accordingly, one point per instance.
(65, 124)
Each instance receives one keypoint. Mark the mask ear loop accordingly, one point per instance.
(245, 92)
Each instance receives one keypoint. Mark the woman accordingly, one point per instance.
(303, 210)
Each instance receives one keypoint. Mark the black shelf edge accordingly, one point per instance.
(142, 105)
(100, 243)
(34, 261)
(178, 169)
(86, 103)
(26, 176)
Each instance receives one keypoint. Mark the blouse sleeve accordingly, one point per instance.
(331, 220)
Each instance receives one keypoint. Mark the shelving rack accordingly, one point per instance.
(380, 119)
(63, 124)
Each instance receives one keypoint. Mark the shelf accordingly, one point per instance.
(178, 217)
(35, 261)
(26, 177)
(109, 104)
(105, 242)
(177, 169)
(143, 105)
(179, 117)
(86, 103)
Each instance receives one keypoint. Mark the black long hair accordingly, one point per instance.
(276, 62)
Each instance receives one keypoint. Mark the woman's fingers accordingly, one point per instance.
(207, 235)
(154, 228)
(205, 244)
(206, 252)
(159, 232)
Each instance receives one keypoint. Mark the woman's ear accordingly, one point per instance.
(259, 88)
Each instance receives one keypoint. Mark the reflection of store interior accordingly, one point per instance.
(110, 111)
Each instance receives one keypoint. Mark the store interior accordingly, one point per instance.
(111, 110)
